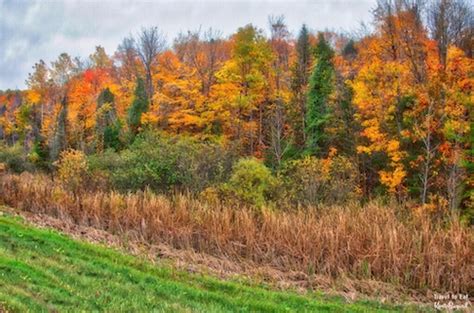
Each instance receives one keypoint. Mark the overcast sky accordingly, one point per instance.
(34, 30)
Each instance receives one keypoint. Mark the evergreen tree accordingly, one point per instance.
(112, 135)
(468, 196)
(39, 153)
(301, 71)
(106, 96)
(107, 125)
(321, 86)
(139, 106)
(349, 51)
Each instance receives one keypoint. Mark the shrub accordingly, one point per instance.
(207, 164)
(14, 158)
(102, 166)
(72, 169)
(251, 182)
(164, 163)
(313, 181)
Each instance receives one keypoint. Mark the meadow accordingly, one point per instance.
(375, 241)
(43, 271)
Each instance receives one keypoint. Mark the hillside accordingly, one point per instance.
(42, 270)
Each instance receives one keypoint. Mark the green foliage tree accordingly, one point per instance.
(321, 86)
(112, 136)
(24, 121)
(39, 154)
(139, 106)
(107, 125)
(106, 96)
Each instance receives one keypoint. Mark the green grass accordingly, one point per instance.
(42, 270)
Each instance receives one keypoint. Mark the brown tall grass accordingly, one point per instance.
(373, 241)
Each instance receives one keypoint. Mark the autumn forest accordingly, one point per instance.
(225, 144)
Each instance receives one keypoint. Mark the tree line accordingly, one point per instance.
(396, 101)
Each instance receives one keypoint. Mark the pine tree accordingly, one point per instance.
(107, 125)
(39, 153)
(301, 71)
(139, 106)
(349, 51)
(112, 135)
(321, 86)
(106, 96)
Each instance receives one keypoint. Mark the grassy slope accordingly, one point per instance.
(41, 270)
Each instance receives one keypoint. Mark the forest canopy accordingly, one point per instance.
(265, 118)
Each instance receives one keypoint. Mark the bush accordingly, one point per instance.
(315, 181)
(102, 166)
(14, 158)
(164, 163)
(72, 169)
(251, 182)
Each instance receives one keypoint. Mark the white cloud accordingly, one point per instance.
(33, 30)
